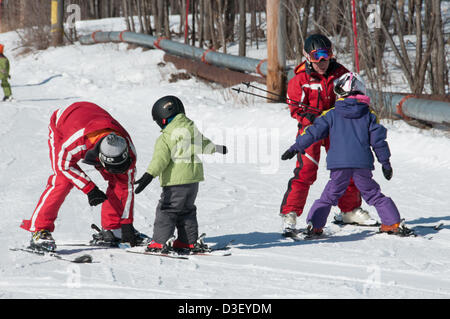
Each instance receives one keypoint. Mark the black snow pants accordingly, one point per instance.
(176, 209)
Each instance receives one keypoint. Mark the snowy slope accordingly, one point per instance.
(239, 200)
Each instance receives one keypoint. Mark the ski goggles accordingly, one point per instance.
(319, 54)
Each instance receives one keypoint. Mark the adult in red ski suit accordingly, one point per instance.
(313, 85)
(73, 132)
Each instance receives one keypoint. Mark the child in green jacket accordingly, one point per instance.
(4, 75)
(180, 170)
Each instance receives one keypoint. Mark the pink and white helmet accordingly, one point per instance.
(349, 84)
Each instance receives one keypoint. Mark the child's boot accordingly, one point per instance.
(398, 229)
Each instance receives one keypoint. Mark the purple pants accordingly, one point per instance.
(370, 192)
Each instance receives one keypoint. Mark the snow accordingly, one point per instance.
(239, 199)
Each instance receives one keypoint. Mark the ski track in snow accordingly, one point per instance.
(239, 199)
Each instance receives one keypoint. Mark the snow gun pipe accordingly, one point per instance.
(281, 97)
(305, 106)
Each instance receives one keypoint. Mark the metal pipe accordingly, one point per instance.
(399, 104)
(243, 64)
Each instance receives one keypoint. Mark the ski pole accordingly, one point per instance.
(254, 94)
(293, 102)
(276, 94)
(248, 85)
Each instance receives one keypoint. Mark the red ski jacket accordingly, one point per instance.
(77, 128)
(311, 88)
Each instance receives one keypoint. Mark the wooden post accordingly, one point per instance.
(276, 56)
(57, 16)
(2, 27)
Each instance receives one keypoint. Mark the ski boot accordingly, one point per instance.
(141, 238)
(166, 248)
(199, 246)
(289, 223)
(398, 229)
(129, 235)
(42, 240)
(311, 232)
(358, 216)
(105, 238)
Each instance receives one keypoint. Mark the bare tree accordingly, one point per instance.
(414, 73)
(438, 63)
(242, 28)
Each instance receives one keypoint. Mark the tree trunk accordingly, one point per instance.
(242, 28)
(438, 53)
(221, 24)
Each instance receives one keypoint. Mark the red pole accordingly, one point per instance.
(186, 22)
(355, 37)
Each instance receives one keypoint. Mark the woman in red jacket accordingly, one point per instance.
(313, 85)
(85, 132)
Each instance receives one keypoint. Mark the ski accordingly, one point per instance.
(302, 234)
(293, 234)
(215, 252)
(341, 223)
(219, 249)
(436, 227)
(170, 254)
(176, 255)
(97, 242)
(222, 246)
(79, 260)
(414, 230)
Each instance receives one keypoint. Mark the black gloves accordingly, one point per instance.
(222, 149)
(96, 196)
(288, 154)
(128, 234)
(306, 119)
(309, 116)
(143, 182)
(387, 171)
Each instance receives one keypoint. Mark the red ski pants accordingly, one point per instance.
(298, 187)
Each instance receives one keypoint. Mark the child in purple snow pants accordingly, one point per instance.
(354, 132)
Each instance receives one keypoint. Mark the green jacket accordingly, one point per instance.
(175, 158)
(4, 67)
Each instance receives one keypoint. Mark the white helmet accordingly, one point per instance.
(113, 154)
(349, 84)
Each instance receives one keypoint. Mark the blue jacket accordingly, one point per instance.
(353, 129)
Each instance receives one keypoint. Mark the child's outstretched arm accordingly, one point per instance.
(208, 147)
(312, 133)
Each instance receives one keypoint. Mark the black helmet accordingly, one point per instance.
(114, 155)
(315, 42)
(165, 108)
